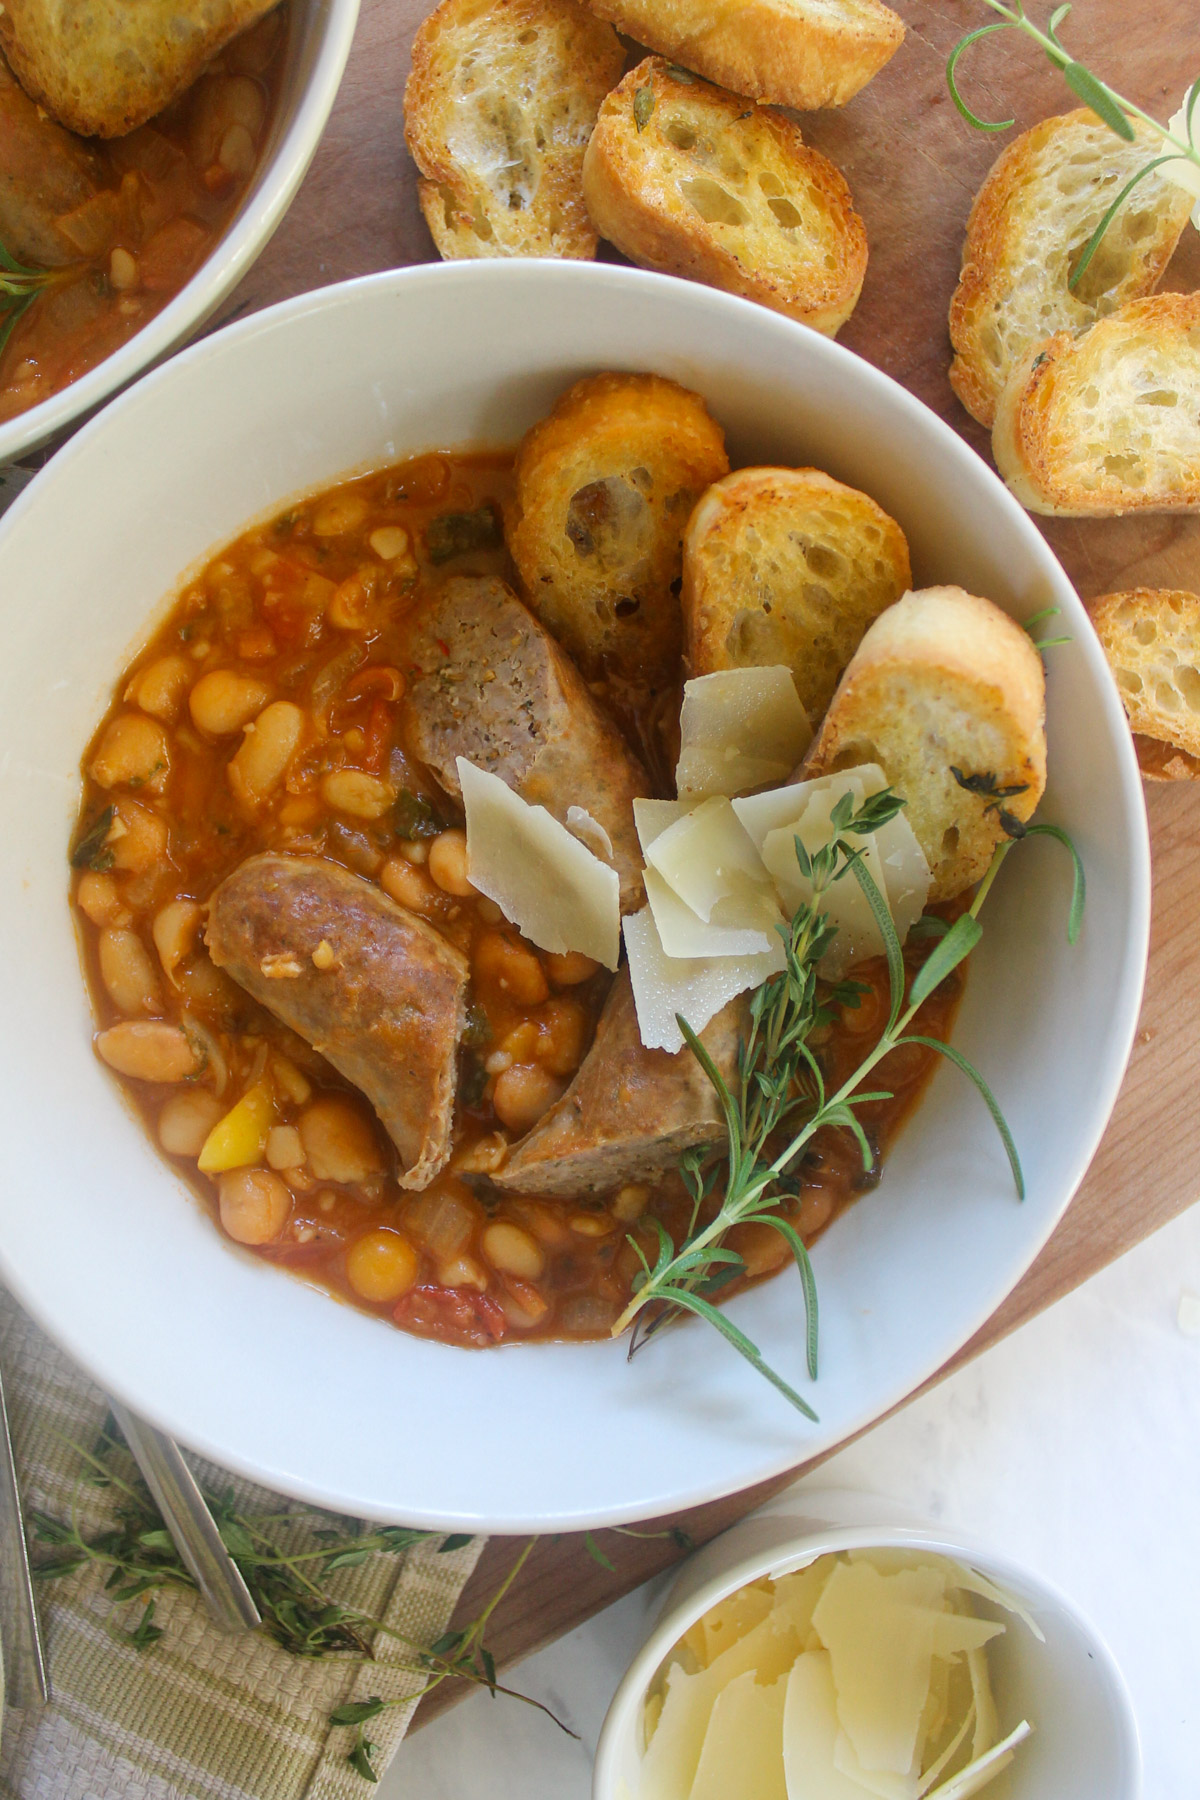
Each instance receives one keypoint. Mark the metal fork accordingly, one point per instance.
(26, 1674)
(192, 1527)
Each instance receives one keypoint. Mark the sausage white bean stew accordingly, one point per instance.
(276, 745)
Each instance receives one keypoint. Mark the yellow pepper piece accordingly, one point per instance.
(241, 1136)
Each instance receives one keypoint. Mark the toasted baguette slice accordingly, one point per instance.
(787, 566)
(500, 103)
(1031, 220)
(802, 53)
(604, 488)
(1109, 422)
(1151, 637)
(103, 67)
(944, 681)
(687, 179)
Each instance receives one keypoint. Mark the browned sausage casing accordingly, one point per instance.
(630, 1112)
(489, 683)
(388, 1013)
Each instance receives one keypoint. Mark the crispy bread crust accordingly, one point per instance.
(498, 108)
(787, 566)
(1059, 458)
(1151, 637)
(944, 680)
(790, 52)
(1024, 235)
(103, 67)
(605, 484)
(684, 178)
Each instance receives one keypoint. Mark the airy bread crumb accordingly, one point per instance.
(1151, 637)
(1030, 223)
(1109, 422)
(944, 681)
(498, 109)
(802, 53)
(787, 566)
(690, 180)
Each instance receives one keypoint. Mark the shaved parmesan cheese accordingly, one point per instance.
(683, 933)
(673, 1754)
(972, 1582)
(544, 881)
(858, 1673)
(810, 1730)
(742, 1758)
(708, 859)
(697, 987)
(652, 817)
(589, 831)
(892, 857)
(740, 729)
(879, 1630)
(977, 1774)
(728, 1622)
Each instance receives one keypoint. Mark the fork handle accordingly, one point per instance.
(191, 1525)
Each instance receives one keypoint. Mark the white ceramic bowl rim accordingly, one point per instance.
(260, 213)
(814, 1513)
(554, 1497)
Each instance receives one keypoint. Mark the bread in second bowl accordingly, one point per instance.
(498, 108)
(944, 681)
(802, 53)
(685, 178)
(1109, 422)
(787, 566)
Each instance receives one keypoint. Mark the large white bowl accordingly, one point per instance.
(1085, 1739)
(121, 1265)
(319, 36)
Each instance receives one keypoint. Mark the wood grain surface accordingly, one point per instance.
(914, 167)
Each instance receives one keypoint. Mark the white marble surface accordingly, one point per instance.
(1074, 1446)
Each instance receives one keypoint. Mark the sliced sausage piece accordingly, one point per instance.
(630, 1112)
(387, 1012)
(487, 682)
(44, 173)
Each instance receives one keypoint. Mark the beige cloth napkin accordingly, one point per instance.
(203, 1714)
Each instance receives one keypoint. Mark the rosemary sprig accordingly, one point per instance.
(780, 1084)
(20, 286)
(1109, 106)
(136, 1558)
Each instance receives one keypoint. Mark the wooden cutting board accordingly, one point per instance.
(914, 166)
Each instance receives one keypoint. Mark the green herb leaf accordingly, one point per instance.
(1079, 882)
(414, 817)
(989, 1099)
(881, 912)
(741, 1343)
(965, 43)
(360, 1759)
(1093, 244)
(643, 106)
(89, 852)
(1103, 102)
(356, 1712)
(458, 534)
(596, 1553)
(146, 1633)
(458, 1540)
(945, 957)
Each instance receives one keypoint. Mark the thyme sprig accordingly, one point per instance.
(1112, 108)
(780, 1084)
(20, 286)
(136, 1559)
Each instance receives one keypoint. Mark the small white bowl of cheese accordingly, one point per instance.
(832, 1648)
